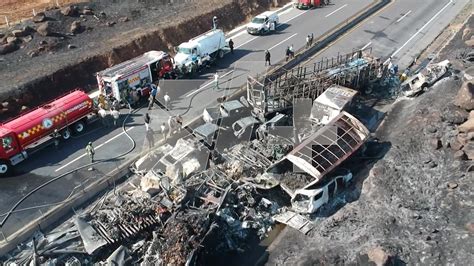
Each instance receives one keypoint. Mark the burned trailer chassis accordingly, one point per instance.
(356, 70)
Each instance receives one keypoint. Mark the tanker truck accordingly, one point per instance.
(201, 51)
(33, 130)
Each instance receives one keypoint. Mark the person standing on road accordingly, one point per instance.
(56, 137)
(287, 53)
(154, 91)
(103, 116)
(292, 51)
(167, 101)
(171, 122)
(267, 58)
(308, 40)
(231, 46)
(216, 81)
(115, 115)
(163, 131)
(90, 151)
(147, 121)
(179, 122)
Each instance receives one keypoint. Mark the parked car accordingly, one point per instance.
(264, 23)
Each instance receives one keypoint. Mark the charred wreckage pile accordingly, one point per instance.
(192, 208)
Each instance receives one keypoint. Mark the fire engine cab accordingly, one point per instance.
(134, 76)
(307, 4)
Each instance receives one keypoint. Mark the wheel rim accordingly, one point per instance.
(66, 134)
(3, 168)
(79, 127)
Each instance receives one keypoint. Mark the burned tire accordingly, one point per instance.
(220, 54)
(5, 168)
(79, 127)
(66, 134)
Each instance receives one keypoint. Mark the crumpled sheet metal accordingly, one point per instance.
(91, 239)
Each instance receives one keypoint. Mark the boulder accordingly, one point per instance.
(435, 143)
(32, 53)
(123, 19)
(465, 96)
(469, 150)
(76, 27)
(460, 155)
(454, 115)
(467, 126)
(456, 145)
(71, 46)
(378, 256)
(27, 39)
(469, 43)
(40, 17)
(111, 23)
(2, 34)
(19, 33)
(87, 12)
(46, 29)
(8, 48)
(466, 34)
(70, 11)
(12, 39)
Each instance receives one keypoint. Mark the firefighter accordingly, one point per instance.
(90, 151)
(116, 115)
(267, 58)
(231, 46)
(56, 137)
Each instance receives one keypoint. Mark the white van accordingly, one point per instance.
(263, 23)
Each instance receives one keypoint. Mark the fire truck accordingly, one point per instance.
(307, 4)
(134, 76)
(33, 130)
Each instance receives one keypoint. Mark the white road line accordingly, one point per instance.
(205, 85)
(420, 30)
(336, 10)
(96, 148)
(282, 41)
(246, 42)
(292, 18)
(365, 46)
(406, 14)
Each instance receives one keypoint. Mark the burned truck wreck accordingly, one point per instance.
(196, 206)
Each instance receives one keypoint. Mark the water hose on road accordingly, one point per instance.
(9, 213)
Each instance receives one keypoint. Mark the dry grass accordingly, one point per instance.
(17, 10)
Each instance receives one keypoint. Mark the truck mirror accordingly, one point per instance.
(175, 49)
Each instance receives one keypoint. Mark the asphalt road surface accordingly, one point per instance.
(403, 29)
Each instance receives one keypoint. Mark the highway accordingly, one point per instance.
(402, 29)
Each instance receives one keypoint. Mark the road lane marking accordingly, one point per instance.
(205, 85)
(420, 30)
(291, 18)
(406, 14)
(96, 148)
(365, 46)
(246, 42)
(282, 41)
(336, 10)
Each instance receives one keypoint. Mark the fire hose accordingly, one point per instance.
(9, 213)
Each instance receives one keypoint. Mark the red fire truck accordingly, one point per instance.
(32, 130)
(133, 76)
(307, 4)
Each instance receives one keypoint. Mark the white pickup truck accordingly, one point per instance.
(201, 50)
(263, 23)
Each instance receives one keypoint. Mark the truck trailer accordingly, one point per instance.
(28, 132)
(307, 4)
